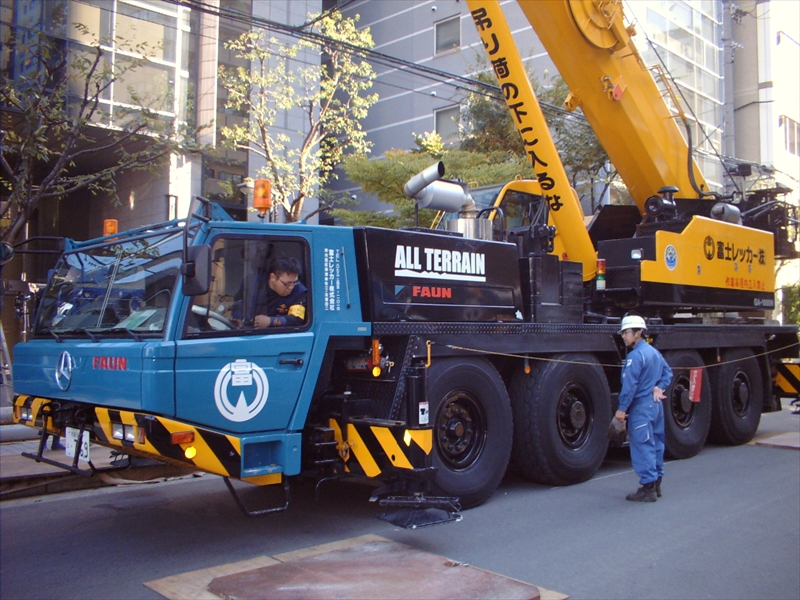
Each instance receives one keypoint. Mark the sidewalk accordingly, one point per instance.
(22, 477)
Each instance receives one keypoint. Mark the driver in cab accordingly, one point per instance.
(284, 303)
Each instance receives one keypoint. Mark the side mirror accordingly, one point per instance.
(196, 270)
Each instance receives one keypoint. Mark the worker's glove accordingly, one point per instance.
(617, 432)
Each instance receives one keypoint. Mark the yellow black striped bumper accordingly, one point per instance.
(369, 447)
(786, 379)
(374, 446)
(28, 410)
(262, 462)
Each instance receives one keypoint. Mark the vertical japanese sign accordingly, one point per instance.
(332, 296)
(521, 100)
(529, 120)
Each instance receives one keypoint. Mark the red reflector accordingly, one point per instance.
(695, 384)
(183, 437)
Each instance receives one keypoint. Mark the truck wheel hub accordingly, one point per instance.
(741, 394)
(460, 431)
(574, 416)
(577, 415)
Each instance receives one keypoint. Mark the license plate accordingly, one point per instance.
(72, 443)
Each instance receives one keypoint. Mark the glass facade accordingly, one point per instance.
(126, 32)
(686, 40)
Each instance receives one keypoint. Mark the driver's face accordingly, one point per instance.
(282, 283)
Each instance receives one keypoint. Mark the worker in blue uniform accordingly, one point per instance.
(645, 376)
(284, 303)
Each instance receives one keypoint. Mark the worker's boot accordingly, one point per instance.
(646, 493)
(658, 487)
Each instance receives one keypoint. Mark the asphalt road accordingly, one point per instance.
(728, 527)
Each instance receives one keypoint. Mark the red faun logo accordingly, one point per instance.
(423, 291)
(110, 363)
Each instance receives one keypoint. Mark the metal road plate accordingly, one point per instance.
(71, 439)
(371, 570)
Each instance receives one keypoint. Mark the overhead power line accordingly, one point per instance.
(302, 32)
(305, 34)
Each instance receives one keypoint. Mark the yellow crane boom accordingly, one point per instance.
(592, 48)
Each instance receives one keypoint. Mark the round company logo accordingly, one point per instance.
(708, 247)
(247, 380)
(64, 371)
(671, 257)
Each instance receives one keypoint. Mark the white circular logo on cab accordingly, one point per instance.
(241, 378)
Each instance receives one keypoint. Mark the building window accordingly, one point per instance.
(446, 123)
(141, 26)
(448, 34)
(233, 177)
(791, 134)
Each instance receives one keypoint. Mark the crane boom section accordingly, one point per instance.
(593, 51)
(565, 210)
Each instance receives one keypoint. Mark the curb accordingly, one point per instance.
(56, 483)
(6, 415)
(17, 433)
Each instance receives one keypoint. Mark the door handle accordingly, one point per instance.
(291, 361)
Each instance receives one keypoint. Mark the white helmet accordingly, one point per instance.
(632, 322)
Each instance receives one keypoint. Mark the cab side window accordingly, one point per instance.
(258, 286)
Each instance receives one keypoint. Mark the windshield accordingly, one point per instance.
(122, 288)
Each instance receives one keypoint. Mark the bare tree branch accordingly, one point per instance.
(56, 131)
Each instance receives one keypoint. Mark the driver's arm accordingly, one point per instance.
(295, 315)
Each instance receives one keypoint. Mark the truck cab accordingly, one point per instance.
(116, 337)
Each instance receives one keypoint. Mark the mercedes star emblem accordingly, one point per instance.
(64, 370)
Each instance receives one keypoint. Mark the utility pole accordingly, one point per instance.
(728, 57)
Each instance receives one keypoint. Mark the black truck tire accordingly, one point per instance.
(561, 413)
(472, 428)
(686, 423)
(737, 389)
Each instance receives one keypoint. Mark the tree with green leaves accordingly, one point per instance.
(487, 126)
(62, 140)
(332, 95)
(790, 303)
(490, 152)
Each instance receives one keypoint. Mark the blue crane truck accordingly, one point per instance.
(427, 359)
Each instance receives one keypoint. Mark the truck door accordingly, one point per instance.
(231, 373)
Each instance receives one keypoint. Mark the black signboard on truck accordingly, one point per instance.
(417, 276)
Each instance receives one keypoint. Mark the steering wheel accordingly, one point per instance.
(215, 320)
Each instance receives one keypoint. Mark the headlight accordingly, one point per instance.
(123, 432)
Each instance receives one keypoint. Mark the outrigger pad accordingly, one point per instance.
(420, 510)
(419, 517)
